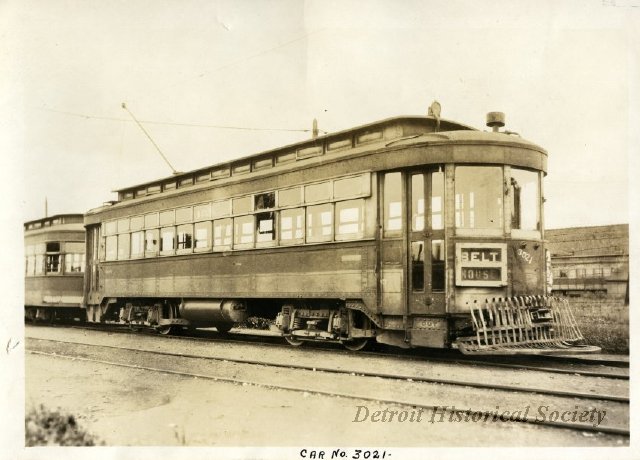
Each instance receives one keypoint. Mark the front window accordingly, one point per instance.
(478, 197)
(525, 200)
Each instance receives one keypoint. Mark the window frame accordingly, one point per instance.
(189, 239)
(360, 221)
(274, 228)
(225, 223)
(242, 221)
(300, 211)
(477, 231)
(163, 230)
(209, 239)
(309, 238)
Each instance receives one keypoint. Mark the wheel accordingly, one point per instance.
(356, 345)
(223, 328)
(293, 341)
(166, 330)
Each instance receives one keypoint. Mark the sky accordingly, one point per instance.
(563, 72)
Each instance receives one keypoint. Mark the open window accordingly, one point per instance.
(266, 228)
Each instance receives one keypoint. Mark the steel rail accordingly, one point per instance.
(528, 419)
(384, 375)
(420, 358)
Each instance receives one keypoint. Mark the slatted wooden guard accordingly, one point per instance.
(523, 325)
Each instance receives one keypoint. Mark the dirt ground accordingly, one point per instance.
(133, 407)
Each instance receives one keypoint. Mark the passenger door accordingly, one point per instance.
(92, 274)
(425, 241)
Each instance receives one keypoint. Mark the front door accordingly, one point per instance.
(424, 191)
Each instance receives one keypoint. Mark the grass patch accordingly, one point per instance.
(611, 337)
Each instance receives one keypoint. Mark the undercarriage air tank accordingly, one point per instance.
(209, 312)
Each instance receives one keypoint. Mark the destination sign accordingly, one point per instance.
(481, 264)
(481, 274)
(481, 255)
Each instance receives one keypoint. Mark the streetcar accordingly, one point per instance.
(413, 231)
(54, 268)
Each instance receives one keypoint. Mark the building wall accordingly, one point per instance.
(591, 261)
(590, 268)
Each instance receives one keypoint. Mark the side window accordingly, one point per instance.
(184, 214)
(202, 211)
(292, 226)
(53, 263)
(151, 238)
(265, 227)
(264, 201)
(222, 234)
(320, 223)
(241, 205)
(167, 240)
(317, 192)
(290, 197)
(349, 219)
(30, 252)
(74, 263)
(39, 264)
(31, 265)
(185, 237)
(392, 204)
(243, 231)
(124, 242)
(111, 247)
(525, 200)
(202, 235)
(137, 244)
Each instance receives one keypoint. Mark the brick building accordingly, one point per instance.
(591, 262)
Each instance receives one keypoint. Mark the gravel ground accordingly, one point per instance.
(124, 406)
(348, 361)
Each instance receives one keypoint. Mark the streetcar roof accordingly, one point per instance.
(427, 121)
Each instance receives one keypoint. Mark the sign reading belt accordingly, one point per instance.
(481, 264)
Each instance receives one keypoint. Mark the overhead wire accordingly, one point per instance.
(171, 123)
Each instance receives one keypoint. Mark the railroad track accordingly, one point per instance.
(563, 399)
(597, 369)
